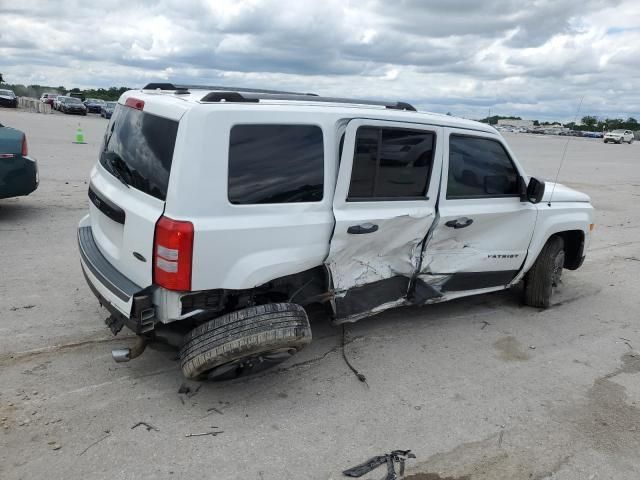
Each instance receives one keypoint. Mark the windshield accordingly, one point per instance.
(618, 131)
(94, 100)
(111, 104)
(6, 92)
(72, 100)
(138, 150)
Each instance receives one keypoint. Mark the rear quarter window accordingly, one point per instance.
(275, 164)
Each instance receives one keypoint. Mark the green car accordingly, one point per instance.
(18, 172)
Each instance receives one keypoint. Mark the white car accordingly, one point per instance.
(57, 102)
(217, 216)
(619, 136)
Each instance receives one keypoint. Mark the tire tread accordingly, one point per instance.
(538, 288)
(242, 333)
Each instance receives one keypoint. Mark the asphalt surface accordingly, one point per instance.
(480, 388)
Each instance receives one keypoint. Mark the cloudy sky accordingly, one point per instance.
(533, 58)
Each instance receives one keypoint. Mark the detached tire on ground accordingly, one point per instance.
(245, 342)
(545, 274)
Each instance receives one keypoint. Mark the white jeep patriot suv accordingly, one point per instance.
(216, 215)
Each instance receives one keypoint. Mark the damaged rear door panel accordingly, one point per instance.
(384, 205)
(484, 227)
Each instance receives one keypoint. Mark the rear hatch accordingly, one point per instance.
(129, 186)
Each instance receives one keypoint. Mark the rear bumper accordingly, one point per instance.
(128, 303)
(18, 176)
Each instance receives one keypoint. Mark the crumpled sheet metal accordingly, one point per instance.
(385, 256)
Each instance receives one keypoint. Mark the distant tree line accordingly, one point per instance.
(588, 123)
(493, 119)
(591, 123)
(36, 91)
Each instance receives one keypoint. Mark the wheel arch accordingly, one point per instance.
(573, 248)
(570, 222)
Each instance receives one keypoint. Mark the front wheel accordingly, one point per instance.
(545, 274)
(245, 342)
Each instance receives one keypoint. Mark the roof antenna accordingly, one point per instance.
(564, 152)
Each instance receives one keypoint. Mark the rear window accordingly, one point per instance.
(275, 164)
(138, 150)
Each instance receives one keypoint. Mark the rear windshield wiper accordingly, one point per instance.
(116, 166)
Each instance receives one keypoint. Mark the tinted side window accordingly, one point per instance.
(391, 163)
(479, 167)
(275, 164)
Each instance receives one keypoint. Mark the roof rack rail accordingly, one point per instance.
(242, 96)
(171, 86)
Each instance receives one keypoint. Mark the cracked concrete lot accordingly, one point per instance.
(480, 388)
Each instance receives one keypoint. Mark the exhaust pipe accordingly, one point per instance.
(121, 355)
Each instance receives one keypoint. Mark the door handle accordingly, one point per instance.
(362, 229)
(459, 222)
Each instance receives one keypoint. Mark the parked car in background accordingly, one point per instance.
(8, 99)
(72, 105)
(592, 134)
(18, 172)
(107, 109)
(49, 98)
(77, 95)
(56, 102)
(619, 136)
(94, 105)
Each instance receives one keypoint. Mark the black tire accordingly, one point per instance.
(245, 342)
(545, 274)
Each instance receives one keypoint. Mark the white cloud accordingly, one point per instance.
(534, 59)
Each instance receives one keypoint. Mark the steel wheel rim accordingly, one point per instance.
(250, 365)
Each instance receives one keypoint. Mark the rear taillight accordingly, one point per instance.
(172, 254)
(25, 149)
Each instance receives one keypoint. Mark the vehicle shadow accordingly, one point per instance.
(328, 338)
(12, 209)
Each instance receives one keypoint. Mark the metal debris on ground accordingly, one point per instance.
(148, 426)
(359, 375)
(213, 434)
(214, 409)
(54, 445)
(108, 434)
(187, 390)
(389, 459)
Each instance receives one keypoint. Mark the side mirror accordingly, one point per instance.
(535, 190)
